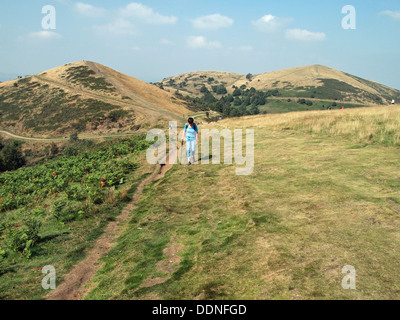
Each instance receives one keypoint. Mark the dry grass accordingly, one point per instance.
(363, 125)
(288, 79)
(313, 205)
(148, 103)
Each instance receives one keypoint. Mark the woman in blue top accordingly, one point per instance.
(192, 136)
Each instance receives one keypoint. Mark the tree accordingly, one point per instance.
(204, 89)
(12, 157)
(249, 77)
(226, 111)
(235, 113)
(246, 101)
(237, 92)
(219, 107)
(221, 89)
(237, 102)
(254, 110)
(229, 98)
(209, 98)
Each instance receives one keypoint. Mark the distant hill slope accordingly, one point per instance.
(315, 81)
(84, 96)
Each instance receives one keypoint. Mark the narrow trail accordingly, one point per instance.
(74, 285)
(13, 135)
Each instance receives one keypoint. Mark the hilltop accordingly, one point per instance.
(314, 82)
(86, 97)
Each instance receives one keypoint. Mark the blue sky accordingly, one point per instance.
(154, 39)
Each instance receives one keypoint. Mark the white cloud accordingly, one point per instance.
(198, 42)
(119, 27)
(89, 10)
(212, 22)
(136, 48)
(145, 14)
(44, 35)
(305, 35)
(393, 14)
(270, 23)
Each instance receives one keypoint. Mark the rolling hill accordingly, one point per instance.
(315, 82)
(86, 97)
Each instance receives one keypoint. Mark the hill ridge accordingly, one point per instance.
(301, 82)
(84, 96)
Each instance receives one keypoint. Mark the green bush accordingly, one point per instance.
(22, 239)
(221, 89)
(66, 211)
(11, 157)
(116, 115)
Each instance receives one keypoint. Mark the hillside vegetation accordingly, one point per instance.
(324, 195)
(85, 97)
(316, 82)
(52, 213)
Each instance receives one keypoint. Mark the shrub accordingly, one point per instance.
(221, 89)
(11, 157)
(23, 238)
(204, 89)
(54, 150)
(73, 137)
(116, 115)
(237, 92)
(65, 211)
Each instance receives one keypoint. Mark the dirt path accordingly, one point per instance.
(13, 135)
(27, 138)
(74, 285)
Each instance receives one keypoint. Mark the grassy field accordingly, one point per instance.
(324, 194)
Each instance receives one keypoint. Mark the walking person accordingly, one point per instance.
(192, 137)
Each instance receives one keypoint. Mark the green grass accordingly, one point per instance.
(66, 237)
(313, 205)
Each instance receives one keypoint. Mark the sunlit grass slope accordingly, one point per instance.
(324, 194)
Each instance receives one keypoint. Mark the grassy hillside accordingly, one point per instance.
(324, 194)
(52, 213)
(316, 81)
(85, 97)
